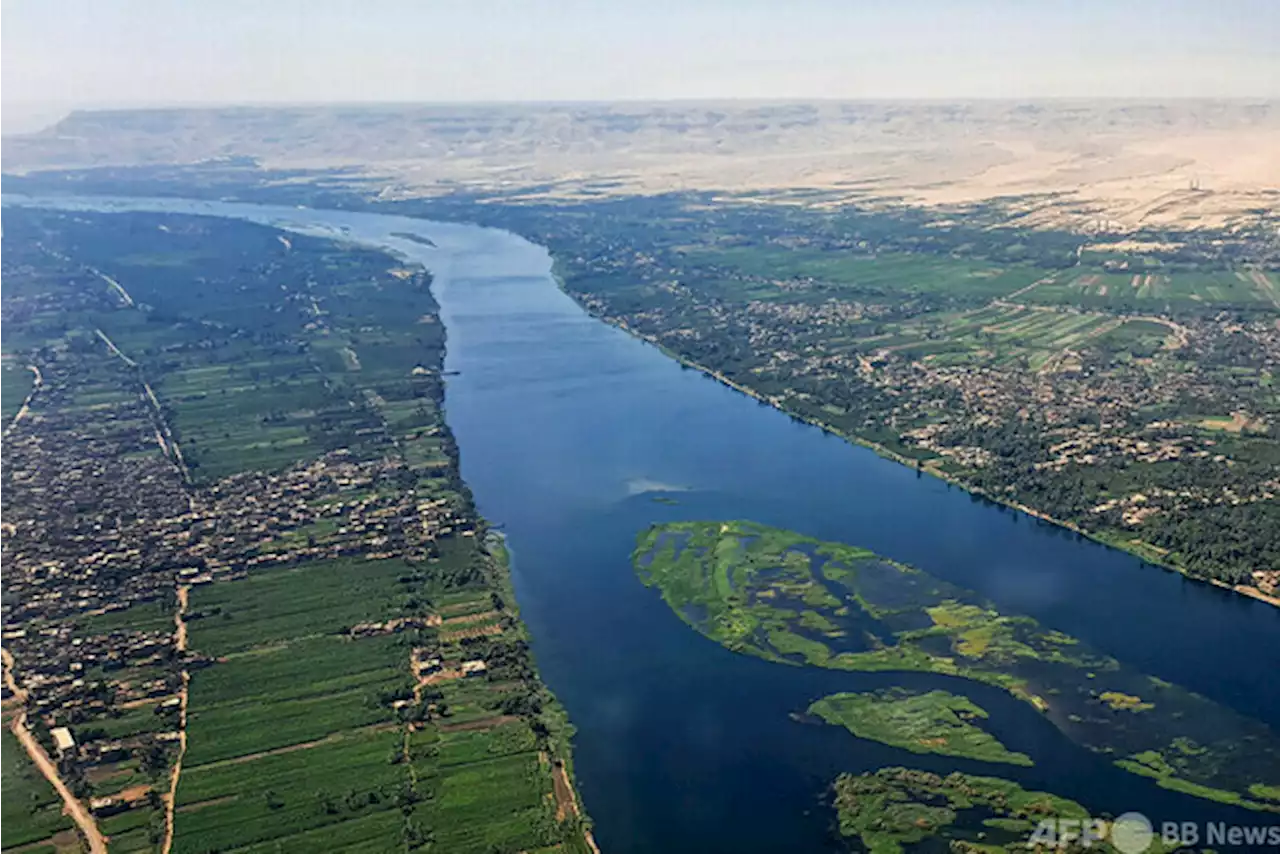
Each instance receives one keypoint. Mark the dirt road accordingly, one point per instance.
(115, 351)
(26, 404)
(117, 287)
(78, 812)
(180, 643)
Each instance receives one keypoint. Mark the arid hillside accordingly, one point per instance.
(1103, 165)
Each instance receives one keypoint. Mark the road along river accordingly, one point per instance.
(569, 429)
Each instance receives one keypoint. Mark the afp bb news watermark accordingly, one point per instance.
(1134, 833)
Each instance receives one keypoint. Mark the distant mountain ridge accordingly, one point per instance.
(1120, 161)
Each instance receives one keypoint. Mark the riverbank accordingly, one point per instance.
(560, 420)
(559, 751)
(1139, 549)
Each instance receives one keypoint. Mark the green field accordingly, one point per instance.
(859, 273)
(16, 382)
(290, 675)
(283, 359)
(795, 600)
(464, 788)
(315, 598)
(229, 806)
(1011, 336)
(32, 809)
(312, 689)
(1154, 289)
(156, 616)
(932, 722)
(262, 417)
(754, 272)
(292, 738)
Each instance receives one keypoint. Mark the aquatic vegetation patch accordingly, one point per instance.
(1127, 702)
(893, 807)
(796, 600)
(1266, 793)
(932, 722)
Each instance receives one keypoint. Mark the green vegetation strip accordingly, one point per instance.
(933, 722)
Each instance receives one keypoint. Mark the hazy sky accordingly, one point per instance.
(114, 52)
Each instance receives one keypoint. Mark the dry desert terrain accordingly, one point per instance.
(1088, 165)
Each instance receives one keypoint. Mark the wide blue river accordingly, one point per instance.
(569, 429)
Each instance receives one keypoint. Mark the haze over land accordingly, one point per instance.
(1029, 250)
(862, 101)
(1082, 164)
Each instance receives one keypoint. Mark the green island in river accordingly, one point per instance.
(893, 807)
(922, 722)
(793, 599)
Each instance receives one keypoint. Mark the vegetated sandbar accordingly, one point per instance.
(922, 722)
(894, 807)
(796, 600)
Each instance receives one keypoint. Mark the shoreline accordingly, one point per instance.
(881, 451)
(559, 750)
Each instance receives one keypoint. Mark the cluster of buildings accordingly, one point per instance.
(1080, 409)
(329, 507)
(98, 520)
(105, 532)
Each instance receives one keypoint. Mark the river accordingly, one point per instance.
(568, 430)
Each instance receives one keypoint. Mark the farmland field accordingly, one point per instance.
(228, 806)
(1007, 336)
(300, 687)
(144, 617)
(291, 674)
(861, 273)
(1022, 364)
(293, 729)
(294, 695)
(32, 809)
(315, 598)
(315, 646)
(16, 382)
(1153, 290)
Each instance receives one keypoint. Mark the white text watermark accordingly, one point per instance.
(1134, 833)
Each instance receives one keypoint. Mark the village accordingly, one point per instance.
(101, 525)
(1130, 423)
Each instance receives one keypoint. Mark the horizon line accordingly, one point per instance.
(484, 102)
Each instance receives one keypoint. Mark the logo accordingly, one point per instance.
(1131, 833)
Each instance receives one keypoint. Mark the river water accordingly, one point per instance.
(569, 429)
